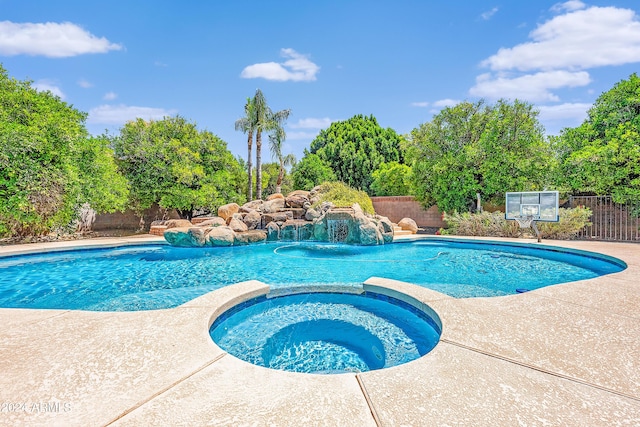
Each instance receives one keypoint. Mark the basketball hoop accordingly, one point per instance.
(524, 221)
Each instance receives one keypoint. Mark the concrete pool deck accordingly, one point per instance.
(565, 355)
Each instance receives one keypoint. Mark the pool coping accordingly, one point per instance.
(566, 354)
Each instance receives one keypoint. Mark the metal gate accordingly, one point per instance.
(609, 220)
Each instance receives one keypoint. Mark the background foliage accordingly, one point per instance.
(602, 155)
(311, 171)
(355, 148)
(49, 166)
(391, 179)
(171, 163)
(343, 196)
(479, 148)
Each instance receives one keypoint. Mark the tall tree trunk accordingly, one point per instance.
(280, 177)
(258, 164)
(249, 167)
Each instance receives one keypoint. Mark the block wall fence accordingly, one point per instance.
(393, 207)
(129, 220)
(397, 207)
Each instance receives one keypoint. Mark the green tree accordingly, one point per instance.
(102, 184)
(356, 147)
(270, 177)
(602, 155)
(478, 148)
(247, 125)
(49, 166)
(311, 171)
(391, 179)
(276, 138)
(171, 163)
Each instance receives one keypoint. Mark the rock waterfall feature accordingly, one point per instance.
(290, 218)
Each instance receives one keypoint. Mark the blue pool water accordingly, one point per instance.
(160, 276)
(326, 332)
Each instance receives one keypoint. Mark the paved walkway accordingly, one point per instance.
(564, 355)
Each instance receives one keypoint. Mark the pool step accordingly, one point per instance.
(397, 231)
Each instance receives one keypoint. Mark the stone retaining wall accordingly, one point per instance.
(129, 220)
(397, 207)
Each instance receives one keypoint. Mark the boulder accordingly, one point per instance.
(312, 214)
(199, 220)
(252, 219)
(237, 225)
(296, 201)
(275, 196)
(174, 223)
(273, 231)
(215, 221)
(273, 205)
(304, 193)
(254, 205)
(186, 236)
(221, 236)
(276, 217)
(227, 211)
(386, 228)
(250, 236)
(408, 224)
(369, 234)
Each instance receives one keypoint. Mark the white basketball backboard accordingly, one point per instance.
(542, 205)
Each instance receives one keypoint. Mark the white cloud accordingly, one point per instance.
(110, 96)
(301, 135)
(568, 6)
(558, 54)
(44, 85)
(577, 111)
(296, 68)
(120, 114)
(488, 14)
(556, 117)
(446, 103)
(84, 84)
(581, 39)
(51, 39)
(529, 87)
(311, 123)
(420, 104)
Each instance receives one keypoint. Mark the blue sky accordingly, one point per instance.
(401, 61)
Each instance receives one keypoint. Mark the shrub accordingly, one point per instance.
(570, 223)
(490, 224)
(343, 196)
(493, 224)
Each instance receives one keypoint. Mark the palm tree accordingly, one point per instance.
(258, 118)
(276, 138)
(262, 114)
(246, 124)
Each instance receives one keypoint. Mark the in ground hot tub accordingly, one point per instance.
(326, 332)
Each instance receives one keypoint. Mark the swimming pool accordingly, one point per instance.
(161, 276)
(326, 332)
